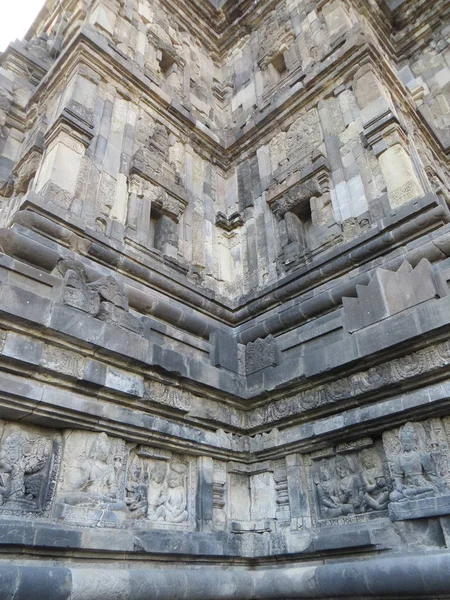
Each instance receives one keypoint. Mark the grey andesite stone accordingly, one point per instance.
(224, 301)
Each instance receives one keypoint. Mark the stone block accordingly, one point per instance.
(422, 508)
(398, 172)
(390, 292)
(23, 348)
(116, 315)
(103, 17)
(224, 351)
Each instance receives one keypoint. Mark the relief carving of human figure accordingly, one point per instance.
(137, 488)
(170, 497)
(415, 473)
(328, 495)
(20, 456)
(175, 505)
(350, 486)
(157, 491)
(100, 479)
(376, 493)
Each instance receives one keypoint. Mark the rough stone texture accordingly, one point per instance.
(224, 307)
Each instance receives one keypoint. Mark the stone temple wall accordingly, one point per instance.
(224, 301)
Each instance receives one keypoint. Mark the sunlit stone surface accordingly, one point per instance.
(224, 301)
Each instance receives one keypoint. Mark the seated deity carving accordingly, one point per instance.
(415, 474)
(175, 505)
(99, 486)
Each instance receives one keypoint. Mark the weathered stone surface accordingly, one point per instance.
(224, 308)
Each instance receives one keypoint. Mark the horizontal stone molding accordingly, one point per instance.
(400, 576)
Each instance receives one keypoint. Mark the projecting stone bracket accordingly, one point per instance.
(105, 298)
(260, 354)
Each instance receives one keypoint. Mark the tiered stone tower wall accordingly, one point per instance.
(224, 301)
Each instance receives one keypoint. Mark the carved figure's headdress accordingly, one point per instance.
(408, 430)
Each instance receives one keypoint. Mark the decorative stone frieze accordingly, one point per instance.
(224, 307)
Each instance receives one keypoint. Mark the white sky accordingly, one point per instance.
(16, 16)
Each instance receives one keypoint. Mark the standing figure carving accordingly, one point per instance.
(20, 458)
(137, 488)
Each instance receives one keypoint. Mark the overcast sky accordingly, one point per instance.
(16, 17)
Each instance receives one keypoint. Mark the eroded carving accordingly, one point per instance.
(28, 467)
(260, 354)
(297, 199)
(104, 298)
(168, 395)
(137, 489)
(376, 491)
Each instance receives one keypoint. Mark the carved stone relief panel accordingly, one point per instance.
(29, 462)
(348, 483)
(105, 298)
(161, 488)
(418, 459)
(260, 354)
(92, 481)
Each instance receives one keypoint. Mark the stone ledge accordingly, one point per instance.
(399, 576)
(420, 509)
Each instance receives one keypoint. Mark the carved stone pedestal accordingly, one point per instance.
(90, 516)
(420, 508)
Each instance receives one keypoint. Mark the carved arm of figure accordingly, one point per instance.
(325, 499)
(370, 487)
